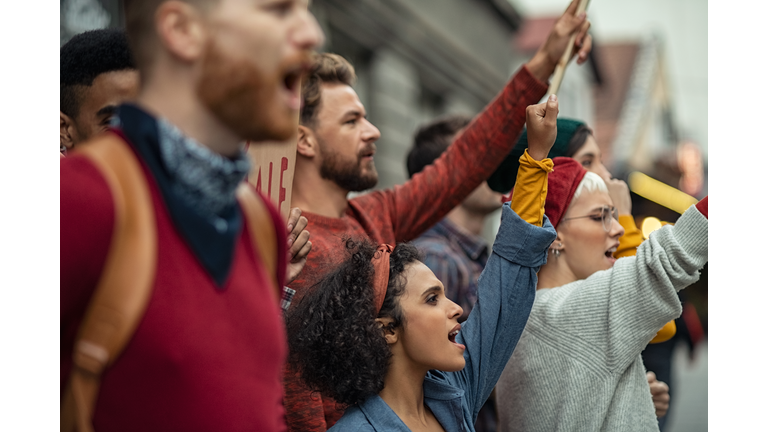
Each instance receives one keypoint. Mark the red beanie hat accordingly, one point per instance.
(561, 185)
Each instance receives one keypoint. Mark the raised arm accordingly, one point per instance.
(507, 286)
(612, 315)
(474, 155)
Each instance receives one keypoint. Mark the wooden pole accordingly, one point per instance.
(557, 77)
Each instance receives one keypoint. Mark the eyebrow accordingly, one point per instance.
(107, 110)
(431, 289)
(354, 113)
(600, 208)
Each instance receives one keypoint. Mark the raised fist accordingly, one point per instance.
(541, 122)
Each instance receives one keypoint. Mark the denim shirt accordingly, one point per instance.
(507, 288)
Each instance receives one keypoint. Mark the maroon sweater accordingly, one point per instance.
(403, 213)
(202, 358)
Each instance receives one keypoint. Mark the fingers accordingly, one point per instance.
(293, 217)
(650, 376)
(584, 51)
(301, 240)
(298, 228)
(552, 109)
(303, 253)
(661, 389)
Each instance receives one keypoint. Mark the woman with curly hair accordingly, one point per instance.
(379, 335)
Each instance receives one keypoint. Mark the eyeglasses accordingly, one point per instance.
(607, 215)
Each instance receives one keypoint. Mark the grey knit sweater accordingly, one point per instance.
(577, 366)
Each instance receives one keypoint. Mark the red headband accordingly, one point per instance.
(380, 263)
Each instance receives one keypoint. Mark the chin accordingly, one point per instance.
(455, 366)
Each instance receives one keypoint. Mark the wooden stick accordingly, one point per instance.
(557, 77)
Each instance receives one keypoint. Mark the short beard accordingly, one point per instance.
(238, 94)
(346, 174)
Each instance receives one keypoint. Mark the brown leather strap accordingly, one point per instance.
(125, 285)
(262, 230)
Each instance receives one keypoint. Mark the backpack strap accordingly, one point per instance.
(262, 232)
(125, 285)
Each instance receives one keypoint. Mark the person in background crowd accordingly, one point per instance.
(335, 151)
(454, 249)
(379, 334)
(96, 73)
(209, 349)
(577, 365)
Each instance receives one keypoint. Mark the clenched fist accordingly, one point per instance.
(659, 394)
(541, 122)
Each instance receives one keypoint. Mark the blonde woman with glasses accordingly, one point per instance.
(577, 366)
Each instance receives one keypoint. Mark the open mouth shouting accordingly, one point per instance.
(452, 336)
(609, 253)
(292, 77)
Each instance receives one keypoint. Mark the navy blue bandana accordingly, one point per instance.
(203, 179)
(198, 186)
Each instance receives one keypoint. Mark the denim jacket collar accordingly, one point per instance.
(443, 399)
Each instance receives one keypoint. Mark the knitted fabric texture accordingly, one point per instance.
(503, 179)
(577, 366)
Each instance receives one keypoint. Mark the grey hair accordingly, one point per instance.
(591, 182)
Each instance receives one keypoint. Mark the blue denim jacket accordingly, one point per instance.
(507, 288)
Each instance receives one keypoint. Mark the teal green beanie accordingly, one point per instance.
(503, 180)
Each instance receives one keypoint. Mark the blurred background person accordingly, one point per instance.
(97, 73)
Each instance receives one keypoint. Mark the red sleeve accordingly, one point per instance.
(421, 202)
(86, 220)
(703, 206)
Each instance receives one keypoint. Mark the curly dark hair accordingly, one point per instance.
(335, 343)
(86, 56)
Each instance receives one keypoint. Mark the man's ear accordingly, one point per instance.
(390, 334)
(67, 133)
(307, 142)
(181, 30)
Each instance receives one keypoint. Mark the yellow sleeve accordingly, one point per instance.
(629, 242)
(530, 191)
(665, 333)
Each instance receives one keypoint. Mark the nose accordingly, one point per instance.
(454, 310)
(371, 132)
(616, 229)
(308, 34)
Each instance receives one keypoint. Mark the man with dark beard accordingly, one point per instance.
(336, 145)
(207, 352)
